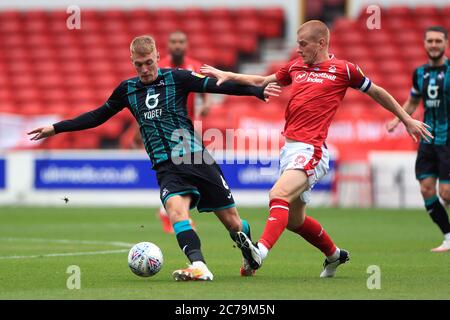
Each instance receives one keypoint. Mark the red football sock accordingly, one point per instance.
(276, 223)
(312, 231)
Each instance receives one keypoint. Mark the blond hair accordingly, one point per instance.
(143, 45)
(316, 29)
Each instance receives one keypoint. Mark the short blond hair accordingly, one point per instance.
(143, 45)
(316, 29)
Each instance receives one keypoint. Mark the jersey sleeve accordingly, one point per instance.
(283, 76)
(415, 90)
(118, 99)
(195, 82)
(191, 81)
(357, 79)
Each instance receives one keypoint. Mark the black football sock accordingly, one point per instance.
(188, 241)
(438, 214)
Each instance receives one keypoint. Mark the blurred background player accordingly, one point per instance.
(319, 82)
(177, 46)
(431, 83)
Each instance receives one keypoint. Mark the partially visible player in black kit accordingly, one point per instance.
(187, 174)
(431, 82)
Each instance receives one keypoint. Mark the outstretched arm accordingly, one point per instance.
(409, 106)
(223, 76)
(234, 88)
(87, 120)
(414, 127)
(194, 82)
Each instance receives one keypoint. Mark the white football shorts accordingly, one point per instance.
(295, 155)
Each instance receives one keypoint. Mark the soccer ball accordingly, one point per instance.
(145, 259)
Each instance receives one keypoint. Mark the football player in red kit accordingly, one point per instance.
(319, 82)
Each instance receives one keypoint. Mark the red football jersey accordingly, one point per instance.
(317, 91)
(188, 64)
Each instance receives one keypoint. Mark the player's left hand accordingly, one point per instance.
(42, 132)
(271, 90)
(417, 128)
(209, 71)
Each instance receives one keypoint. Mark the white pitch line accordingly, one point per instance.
(69, 254)
(69, 241)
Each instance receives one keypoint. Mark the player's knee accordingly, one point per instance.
(176, 213)
(427, 191)
(279, 193)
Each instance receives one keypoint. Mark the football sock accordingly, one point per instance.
(335, 255)
(438, 214)
(263, 250)
(447, 236)
(312, 231)
(276, 223)
(188, 241)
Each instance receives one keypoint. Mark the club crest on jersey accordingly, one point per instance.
(151, 101)
(332, 69)
(198, 75)
(301, 76)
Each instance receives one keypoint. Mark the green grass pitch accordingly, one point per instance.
(46, 241)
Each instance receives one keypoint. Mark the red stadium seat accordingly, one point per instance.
(349, 39)
(192, 13)
(194, 26)
(424, 23)
(206, 55)
(139, 14)
(426, 11)
(356, 52)
(385, 52)
(271, 21)
(227, 58)
(70, 72)
(399, 12)
(244, 13)
(226, 42)
(343, 25)
(248, 44)
(218, 13)
(166, 14)
(8, 27)
(248, 26)
(221, 26)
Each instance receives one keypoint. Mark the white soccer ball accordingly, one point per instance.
(145, 259)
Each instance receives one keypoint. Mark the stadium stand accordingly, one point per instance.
(44, 69)
(47, 69)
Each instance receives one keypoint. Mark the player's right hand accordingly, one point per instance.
(417, 128)
(209, 71)
(271, 90)
(42, 132)
(391, 125)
